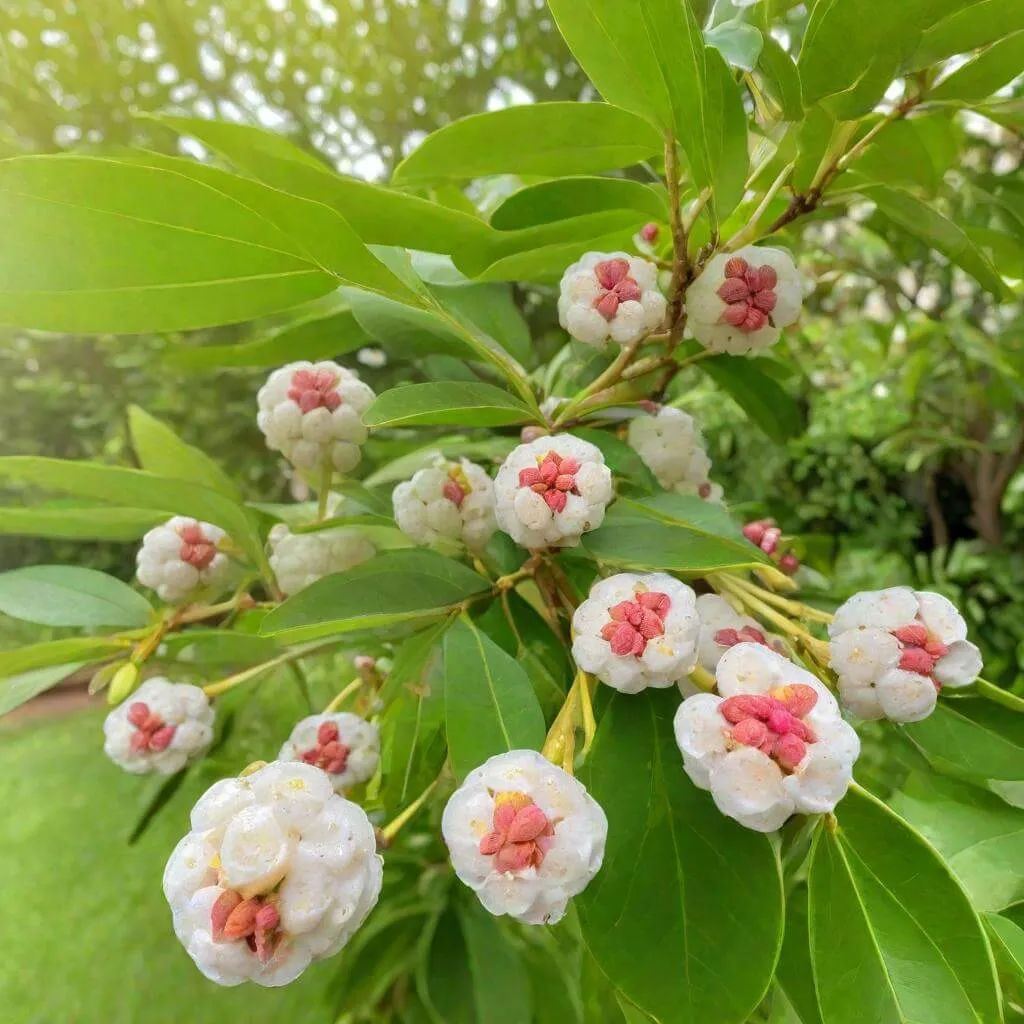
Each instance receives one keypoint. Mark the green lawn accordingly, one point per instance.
(86, 931)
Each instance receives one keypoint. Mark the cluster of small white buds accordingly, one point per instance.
(524, 835)
(551, 491)
(635, 631)
(772, 745)
(277, 871)
(610, 295)
(671, 444)
(163, 727)
(181, 557)
(299, 559)
(447, 501)
(742, 300)
(312, 414)
(344, 745)
(893, 650)
(722, 627)
(768, 537)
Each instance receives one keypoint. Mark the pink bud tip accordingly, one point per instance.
(531, 433)
(789, 563)
(326, 733)
(138, 713)
(754, 532)
(364, 663)
(649, 233)
(161, 739)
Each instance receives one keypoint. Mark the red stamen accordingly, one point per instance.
(553, 479)
(748, 294)
(773, 722)
(522, 833)
(311, 390)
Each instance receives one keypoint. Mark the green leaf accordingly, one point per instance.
(492, 308)
(893, 936)
(444, 981)
(781, 78)
(490, 706)
(318, 337)
(447, 402)
(968, 26)
(539, 138)
(138, 489)
(166, 252)
(77, 522)
(66, 595)
(765, 401)
(980, 836)
(380, 216)
(676, 869)
(985, 73)
(914, 153)
(20, 689)
(794, 973)
(394, 587)
(649, 57)
(161, 451)
(574, 197)
(1007, 944)
(501, 987)
(622, 459)
(738, 42)
(974, 737)
(675, 532)
(58, 652)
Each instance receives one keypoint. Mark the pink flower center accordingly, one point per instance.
(196, 548)
(749, 294)
(329, 753)
(919, 650)
(553, 479)
(256, 920)
(746, 635)
(311, 389)
(617, 286)
(522, 833)
(151, 733)
(773, 722)
(632, 623)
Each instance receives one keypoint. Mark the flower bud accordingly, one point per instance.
(123, 681)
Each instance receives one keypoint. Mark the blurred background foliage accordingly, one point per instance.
(908, 378)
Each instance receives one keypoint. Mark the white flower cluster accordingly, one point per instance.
(312, 414)
(449, 500)
(299, 559)
(163, 727)
(742, 300)
(894, 649)
(524, 835)
(344, 745)
(671, 444)
(771, 745)
(548, 493)
(180, 557)
(277, 871)
(610, 295)
(635, 631)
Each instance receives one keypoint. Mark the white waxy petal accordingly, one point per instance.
(860, 656)
(906, 696)
(305, 893)
(887, 609)
(748, 786)
(941, 618)
(255, 851)
(960, 666)
(220, 803)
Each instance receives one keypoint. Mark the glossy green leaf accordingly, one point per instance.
(138, 489)
(621, 458)
(677, 869)
(492, 308)
(794, 972)
(394, 587)
(79, 649)
(738, 42)
(67, 595)
(444, 981)
(379, 215)
(19, 689)
(168, 251)
(1007, 945)
(649, 57)
(501, 988)
(539, 138)
(490, 706)
(318, 337)
(77, 522)
(676, 532)
(913, 153)
(160, 450)
(893, 935)
(817, 138)
(967, 26)
(781, 78)
(766, 402)
(219, 647)
(980, 836)
(575, 197)
(974, 737)
(985, 73)
(458, 403)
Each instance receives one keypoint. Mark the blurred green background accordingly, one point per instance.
(908, 377)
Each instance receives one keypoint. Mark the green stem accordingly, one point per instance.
(230, 682)
(388, 833)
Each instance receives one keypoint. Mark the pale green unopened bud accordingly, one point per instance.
(125, 680)
(102, 676)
